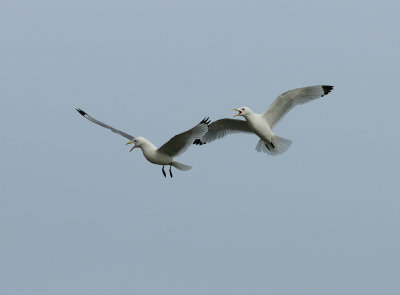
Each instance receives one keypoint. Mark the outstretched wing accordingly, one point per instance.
(286, 101)
(181, 142)
(222, 127)
(104, 125)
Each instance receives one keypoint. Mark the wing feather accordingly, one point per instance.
(104, 125)
(223, 127)
(181, 142)
(286, 101)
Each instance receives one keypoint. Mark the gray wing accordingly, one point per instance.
(286, 101)
(105, 125)
(181, 142)
(223, 127)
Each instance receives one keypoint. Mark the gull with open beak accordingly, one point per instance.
(239, 112)
(165, 154)
(262, 124)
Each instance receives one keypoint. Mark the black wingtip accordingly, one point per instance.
(81, 112)
(326, 89)
(206, 121)
(198, 142)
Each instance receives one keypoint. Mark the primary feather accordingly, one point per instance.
(223, 127)
(126, 135)
(288, 100)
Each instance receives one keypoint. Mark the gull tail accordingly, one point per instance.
(181, 166)
(278, 146)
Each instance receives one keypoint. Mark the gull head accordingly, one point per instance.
(137, 141)
(242, 111)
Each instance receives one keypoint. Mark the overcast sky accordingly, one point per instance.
(79, 214)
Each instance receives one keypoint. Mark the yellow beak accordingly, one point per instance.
(130, 142)
(237, 113)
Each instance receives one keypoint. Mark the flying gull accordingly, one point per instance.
(262, 124)
(166, 153)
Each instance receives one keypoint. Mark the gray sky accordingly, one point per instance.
(79, 214)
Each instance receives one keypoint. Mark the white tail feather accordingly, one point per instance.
(181, 166)
(280, 145)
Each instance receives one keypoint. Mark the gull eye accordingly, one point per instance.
(242, 109)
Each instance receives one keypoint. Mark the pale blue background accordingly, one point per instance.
(79, 214)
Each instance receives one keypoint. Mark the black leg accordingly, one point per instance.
(170, 172)
(267, 147)
(272, 145)
(163, 171)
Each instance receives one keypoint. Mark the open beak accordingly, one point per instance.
(130, 142)
(238, 114)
